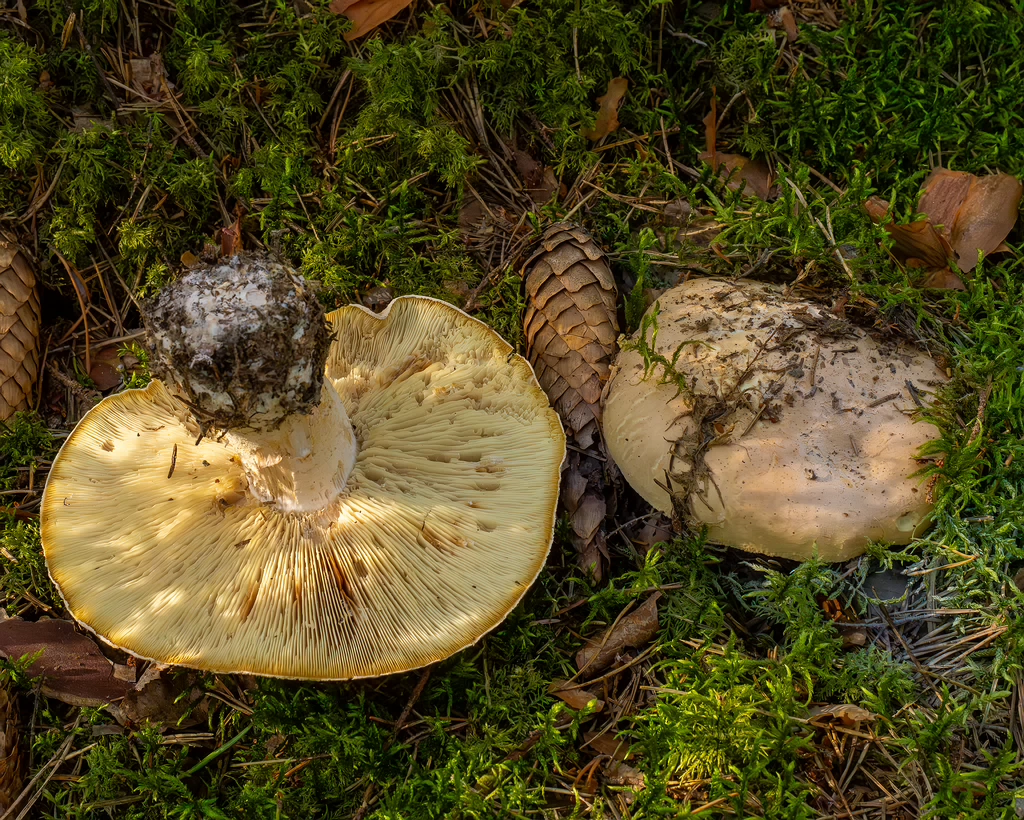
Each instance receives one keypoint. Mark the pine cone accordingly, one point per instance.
(571, 329)
(571, 325)
(10, 756)
(19, 331)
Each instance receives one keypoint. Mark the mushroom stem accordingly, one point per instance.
(303, 464)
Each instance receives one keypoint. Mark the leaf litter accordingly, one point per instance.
(71, 668)
(635, 629)
(608, 110)
(751, 176)
(366, 15)
(965, 217)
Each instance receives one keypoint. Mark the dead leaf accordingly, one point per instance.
(605, 743)
(942, 279)
(529, 170)
(966, 215)
(84, 119)
(608, 110)
(377, 298)
(622, 774)
(366, 15)
(752, 176)
(660, 528)
(231, 238)
(740, 171)
(539, 180)
(72, 668)
(632, 630)
(711, 127)
(918, 240)
(574, 698)
(942, 194)
(986, 217)
(676, 214)
(783, 18)
(876, 208)
(103, 367)
(149, 77)
(471, 214)
(845, 713)
(188, 259)
(853, 636)
(162, 701)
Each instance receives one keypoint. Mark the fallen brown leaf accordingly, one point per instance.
(711, 130)
(942, 194)
(160, 700)
(231, 238)
(608, 110)
(634, 629)
(103, 367)
(783, 18)
(753, 176)
(149, 77)
(660, 528)
(574, 698)
(845, 713)
(965, 215)
(986, 217)
(605, 743)
(72, 668)
(539, 180)
(366, 15)
(942, 279)
(622, 774)
(918, 240)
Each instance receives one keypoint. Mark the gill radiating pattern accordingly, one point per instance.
(438, 534)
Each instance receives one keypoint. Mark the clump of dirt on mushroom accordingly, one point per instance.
(232, 372)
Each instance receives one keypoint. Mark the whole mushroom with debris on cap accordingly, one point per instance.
(785, 430)
(301, 499)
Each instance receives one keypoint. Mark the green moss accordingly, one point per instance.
(354, 160)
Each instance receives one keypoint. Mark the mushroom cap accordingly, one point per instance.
(787, 468)
(445, 521)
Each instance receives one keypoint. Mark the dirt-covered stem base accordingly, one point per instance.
(245, 342)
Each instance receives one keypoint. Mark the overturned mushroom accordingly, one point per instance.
(783, 429)
(260, 517)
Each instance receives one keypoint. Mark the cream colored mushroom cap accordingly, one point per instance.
(790, 468)
(445, 522)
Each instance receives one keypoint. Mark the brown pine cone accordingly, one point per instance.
(571, 328)
(19, 331)
(10, 755)
(571, 325)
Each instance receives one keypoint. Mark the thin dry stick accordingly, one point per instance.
(421, 684)
(51, 766)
